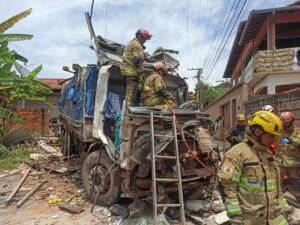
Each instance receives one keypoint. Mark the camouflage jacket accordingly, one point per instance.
(133, 59)
(153, 87)
(250, 185)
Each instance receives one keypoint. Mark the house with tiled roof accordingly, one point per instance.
(264, 60)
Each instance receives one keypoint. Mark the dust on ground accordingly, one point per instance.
(62, 185)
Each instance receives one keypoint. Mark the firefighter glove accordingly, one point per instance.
(286, 141)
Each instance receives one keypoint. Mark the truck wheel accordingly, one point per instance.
(109, 186)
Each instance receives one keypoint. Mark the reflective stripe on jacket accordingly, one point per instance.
(250, 177)
(154, 84)
(133, 50)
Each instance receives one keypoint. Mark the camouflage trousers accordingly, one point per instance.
(133, 89)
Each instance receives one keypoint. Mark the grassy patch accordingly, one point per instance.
(36, 134)
(10, 159)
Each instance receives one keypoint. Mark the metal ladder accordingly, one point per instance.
(166, 180)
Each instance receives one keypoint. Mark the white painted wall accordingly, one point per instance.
(273, 80)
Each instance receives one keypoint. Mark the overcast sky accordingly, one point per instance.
(61, 36)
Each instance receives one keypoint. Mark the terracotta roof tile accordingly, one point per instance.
(53, 83)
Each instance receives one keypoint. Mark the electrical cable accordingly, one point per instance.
(106, 13)
(216, 61)
(197, 32)
(220, 40)
(232, 14)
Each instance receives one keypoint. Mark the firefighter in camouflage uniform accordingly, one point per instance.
(154, 91)
(250, 176)
(289, 153)
(132, 67)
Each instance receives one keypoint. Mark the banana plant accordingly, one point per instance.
(12, 86)
(9, 23)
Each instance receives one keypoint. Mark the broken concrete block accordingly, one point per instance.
(221, 218)
(218, 206)
(197, 205)
(70, 207)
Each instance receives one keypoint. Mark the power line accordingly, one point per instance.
(233, 12)
(106, 12)
(262, 4)
(227, 39)
(220, 40)
(187, 28)
(206, 27)
(221, 16)
(198, 86)
(197, 32)
(209, 24)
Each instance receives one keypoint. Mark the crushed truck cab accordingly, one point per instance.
(115, 141)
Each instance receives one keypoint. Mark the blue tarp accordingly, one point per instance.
(113, 105)
(74, 95)
(91, 86)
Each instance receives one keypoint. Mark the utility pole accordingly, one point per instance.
(198, 87)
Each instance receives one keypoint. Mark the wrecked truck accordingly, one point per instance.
(115, 141)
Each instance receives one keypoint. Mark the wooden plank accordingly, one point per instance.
(29, 194)
(17, 187)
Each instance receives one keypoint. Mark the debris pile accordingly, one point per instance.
(46, 179)
(45, 176)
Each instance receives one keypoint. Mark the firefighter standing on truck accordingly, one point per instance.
(250, 176)
(132, 67)
(236, 134)
(154, 92)
(289, 153)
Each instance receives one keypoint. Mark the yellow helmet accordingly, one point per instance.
(240, 117)
(268, 121)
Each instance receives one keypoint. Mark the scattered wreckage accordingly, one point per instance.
(115, 140)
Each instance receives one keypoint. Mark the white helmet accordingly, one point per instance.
(268, 108)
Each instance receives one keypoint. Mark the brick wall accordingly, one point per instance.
(288, 101)
(273, 60)
(37, 120)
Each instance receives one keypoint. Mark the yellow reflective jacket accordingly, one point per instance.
(250, 178)
(134, 50)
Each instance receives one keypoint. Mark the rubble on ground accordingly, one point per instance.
(45, 178)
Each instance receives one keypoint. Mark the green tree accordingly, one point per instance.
(12, 86)
(210, 93)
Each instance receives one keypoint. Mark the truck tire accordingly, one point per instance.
(109, 186)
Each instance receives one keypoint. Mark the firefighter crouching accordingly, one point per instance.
(154, 91)
(132, 67)
(250, 176)
(289, 154)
